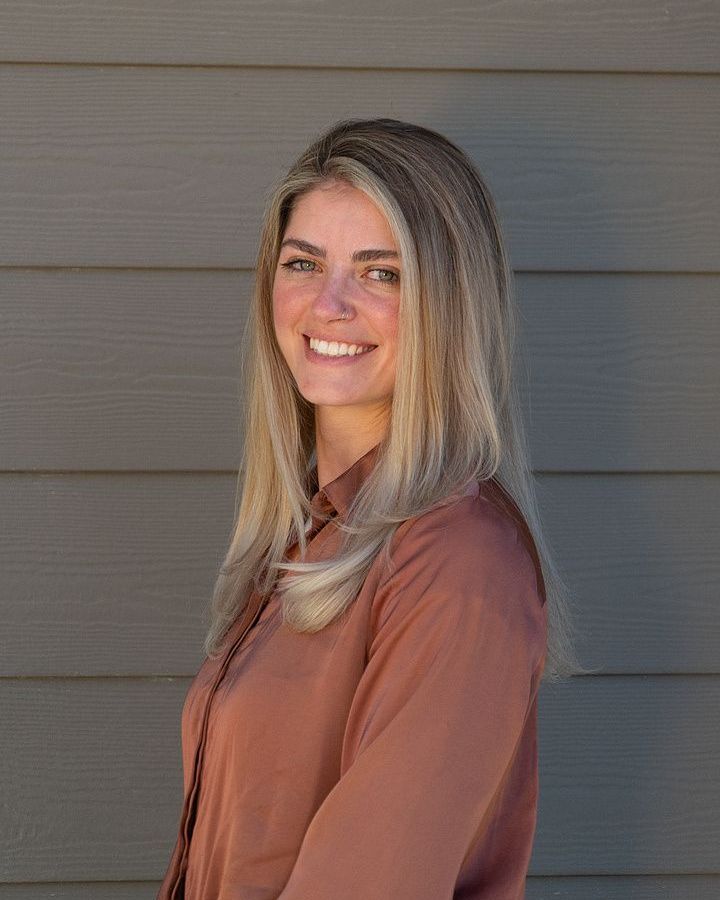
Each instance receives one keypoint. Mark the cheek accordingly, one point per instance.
(276, 315)
(282, 315)
(390, 329)
(288, 303)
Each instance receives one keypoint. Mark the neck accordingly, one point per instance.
(342, 437)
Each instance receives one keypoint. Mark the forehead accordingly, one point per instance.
(338, 211)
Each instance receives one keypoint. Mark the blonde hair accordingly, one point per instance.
(455, 413)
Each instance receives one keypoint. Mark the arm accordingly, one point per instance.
(458, 636)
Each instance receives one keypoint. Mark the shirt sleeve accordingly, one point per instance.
(458, 635)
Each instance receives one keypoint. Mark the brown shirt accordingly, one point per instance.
(391, 755)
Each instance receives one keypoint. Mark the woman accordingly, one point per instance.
(364, 725)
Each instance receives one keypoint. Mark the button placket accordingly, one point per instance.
(323, 511)
(190, 806)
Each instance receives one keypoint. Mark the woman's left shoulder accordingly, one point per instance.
(467, 559)
(475, 536)
(475, 523)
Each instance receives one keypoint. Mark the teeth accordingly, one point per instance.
(336, 348)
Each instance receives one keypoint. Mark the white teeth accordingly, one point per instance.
(337, 348)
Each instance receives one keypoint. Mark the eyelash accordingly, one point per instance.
(290, 265)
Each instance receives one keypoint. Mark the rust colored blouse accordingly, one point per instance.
(391, 755)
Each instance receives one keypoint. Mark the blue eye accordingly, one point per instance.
(299, 265)
(389, 277)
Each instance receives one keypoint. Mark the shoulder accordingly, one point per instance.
(470, 552)
(460, 578)
(472, 531)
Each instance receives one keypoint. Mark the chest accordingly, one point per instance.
(283, 695)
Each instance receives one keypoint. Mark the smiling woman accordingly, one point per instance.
(365, 723)
(335, 316)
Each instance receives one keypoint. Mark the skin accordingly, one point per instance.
(313, 286)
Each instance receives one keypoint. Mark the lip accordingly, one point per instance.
(344, 360)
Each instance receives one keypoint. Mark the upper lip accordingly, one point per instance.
(338, 340)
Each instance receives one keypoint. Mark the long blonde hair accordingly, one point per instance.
(455, 411)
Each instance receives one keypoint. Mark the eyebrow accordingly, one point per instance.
(358, 255)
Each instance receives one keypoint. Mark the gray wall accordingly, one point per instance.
(137, 143)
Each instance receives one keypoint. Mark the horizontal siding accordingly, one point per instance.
(638, 797)
(624, 372)
(638, 887)
(168, 167)
(139, 370)
(645, 35)
(628, 774)
(639, 554)
(139, 143)
(91, 783)
(632, 887)
(111, 574)
(73, 890)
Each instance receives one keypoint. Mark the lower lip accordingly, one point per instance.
(344, 360)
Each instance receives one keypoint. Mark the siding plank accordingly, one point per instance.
(628, 772)
(165, 166)
(123, 890)
(122, 370)
(155, 166)
(111, 574)
(634, 887)
(92, 783)
(637, 887)
(128, 370)
(647, 35)
(624, 371)
(640, 557)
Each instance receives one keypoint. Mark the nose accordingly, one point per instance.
(333, 299)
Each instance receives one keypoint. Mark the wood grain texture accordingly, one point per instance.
(646, 35)
(139, 142)
(74, 890)
(92, 780)
(92, 783)
(639, 555)
(632, 887)
(619, 887)
(140, 370)
(122, 370)
(111, 574)
(623, 371)
(169, 167)
(628, 776)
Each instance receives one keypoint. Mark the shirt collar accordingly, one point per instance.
(338, 494)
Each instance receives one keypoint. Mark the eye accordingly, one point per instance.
(299, 265)
(387, 276)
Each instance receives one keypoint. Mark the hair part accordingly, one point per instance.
(455, 412)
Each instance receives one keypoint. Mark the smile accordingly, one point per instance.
(338, 348)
